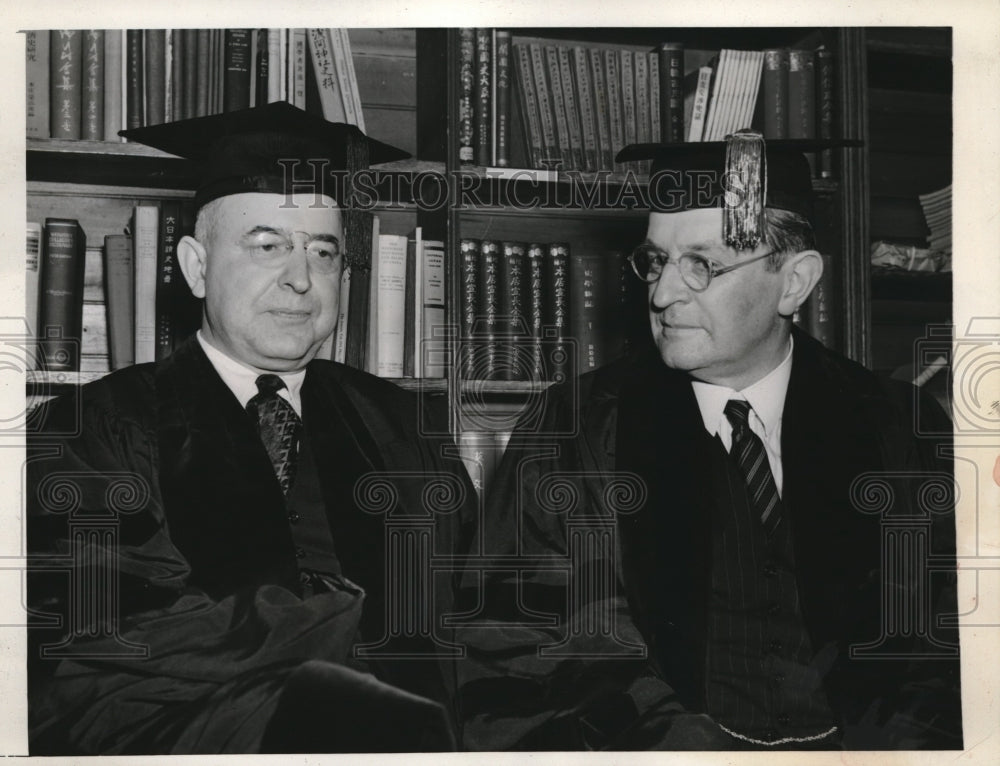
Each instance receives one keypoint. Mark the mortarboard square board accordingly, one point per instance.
(743, 175)
(250, 150)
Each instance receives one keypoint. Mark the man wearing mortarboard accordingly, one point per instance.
(731, 579)
(242, 566)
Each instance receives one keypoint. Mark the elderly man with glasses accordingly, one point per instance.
(678, 556)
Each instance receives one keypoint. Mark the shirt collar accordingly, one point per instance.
(242, 381)
(766, 397)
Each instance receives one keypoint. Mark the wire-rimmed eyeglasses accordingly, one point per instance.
(697, 271)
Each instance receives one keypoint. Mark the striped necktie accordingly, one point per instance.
(751, 457)
(279, 426)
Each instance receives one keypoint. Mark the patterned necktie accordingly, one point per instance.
(751, 457)
(279, 426)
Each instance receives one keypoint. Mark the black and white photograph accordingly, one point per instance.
(490, 378)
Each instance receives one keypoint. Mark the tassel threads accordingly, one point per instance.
(745, 190)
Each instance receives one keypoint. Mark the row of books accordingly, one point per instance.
(577, 105)
(99, 309)
(89, 84)
(937, 213)
(536, 311)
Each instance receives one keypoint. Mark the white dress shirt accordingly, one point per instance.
(767, 401)
(242, 381)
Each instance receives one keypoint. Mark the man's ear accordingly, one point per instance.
(801, 273)
(191, 256)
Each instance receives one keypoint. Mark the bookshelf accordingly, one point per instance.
(409, 82)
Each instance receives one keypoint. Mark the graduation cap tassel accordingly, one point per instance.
(745, 185)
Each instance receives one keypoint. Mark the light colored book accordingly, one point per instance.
(145, 235)
(340, 336)
(390, 319)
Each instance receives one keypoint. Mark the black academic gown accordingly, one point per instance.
(635, 451)
(192, 534)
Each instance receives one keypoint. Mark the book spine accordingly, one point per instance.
(298, 74)
(433, 325)
(467, 89)
(554, 80)
(391, 305)
(154, 69)
(262, 68)
(630, 111)
(119, 278)
(488, 308)
(584, 318)
(176, 61)
(612, 79)
(585, 98)
(190, 75)
(327, 83)
(602, 112)
(410, 308)
(700, 108)
(820, 309)
(92, 105)
(513, 319)
(167, 279)
(826, 106)
(60, 311)
(270, 79)
(36, 49)
(714, 106)
(236, 67)
(343, 311)
(550, 140)
(66, 76)
(775, 87)
(801, 94)
(362, 231)
(501, 125)
(529, 105)
(94, 355)
(349, 79)
(535, 271)
(572, 109)
(33, 257)
(168, 71)
(655, 86)
(135, 109)
(145, 232)
(556, 282)
(643, 135)
(671, 62)
(470, 249)
(484, 84)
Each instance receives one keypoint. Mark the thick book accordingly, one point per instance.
(261, 67)
(362, 233)
(570, 99)
(114, 81)
(155, 72)
(585, 100)
(774, 87)
(643, 126)
(65, 82)
(94, 356)
(273, 67)
(532, 125)
(466, 95)
(200, 74)
(60, 294)
(629, 102)
(655, 128)
(595, 320)
(515, 363)
(670, 60)
(820, 309)
(557, 347)
(613, 83)
(330, 96)
(391, 305)
(36, 62)
(433, 346)
(412, 306)
(801, 94)
(825, 106)
(501, 99)
(119, 278)
(175, 74)
(340, 44)
(236, 66)
(33, 254)
(297, 76)
(550, 141)
(535, 257)
(482, 96)
(145, 230)
(169, 281)
(469, 306)
(135, 85)
(602, 111)
(488, 309)
(92, 99)
(559, 113)
(699, 110)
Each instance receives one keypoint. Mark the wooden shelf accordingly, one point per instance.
(519, 387)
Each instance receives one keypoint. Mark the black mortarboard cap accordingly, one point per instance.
(743, 175)
(248, 150)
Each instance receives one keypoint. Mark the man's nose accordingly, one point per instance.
(296, 272)
(669, 288)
